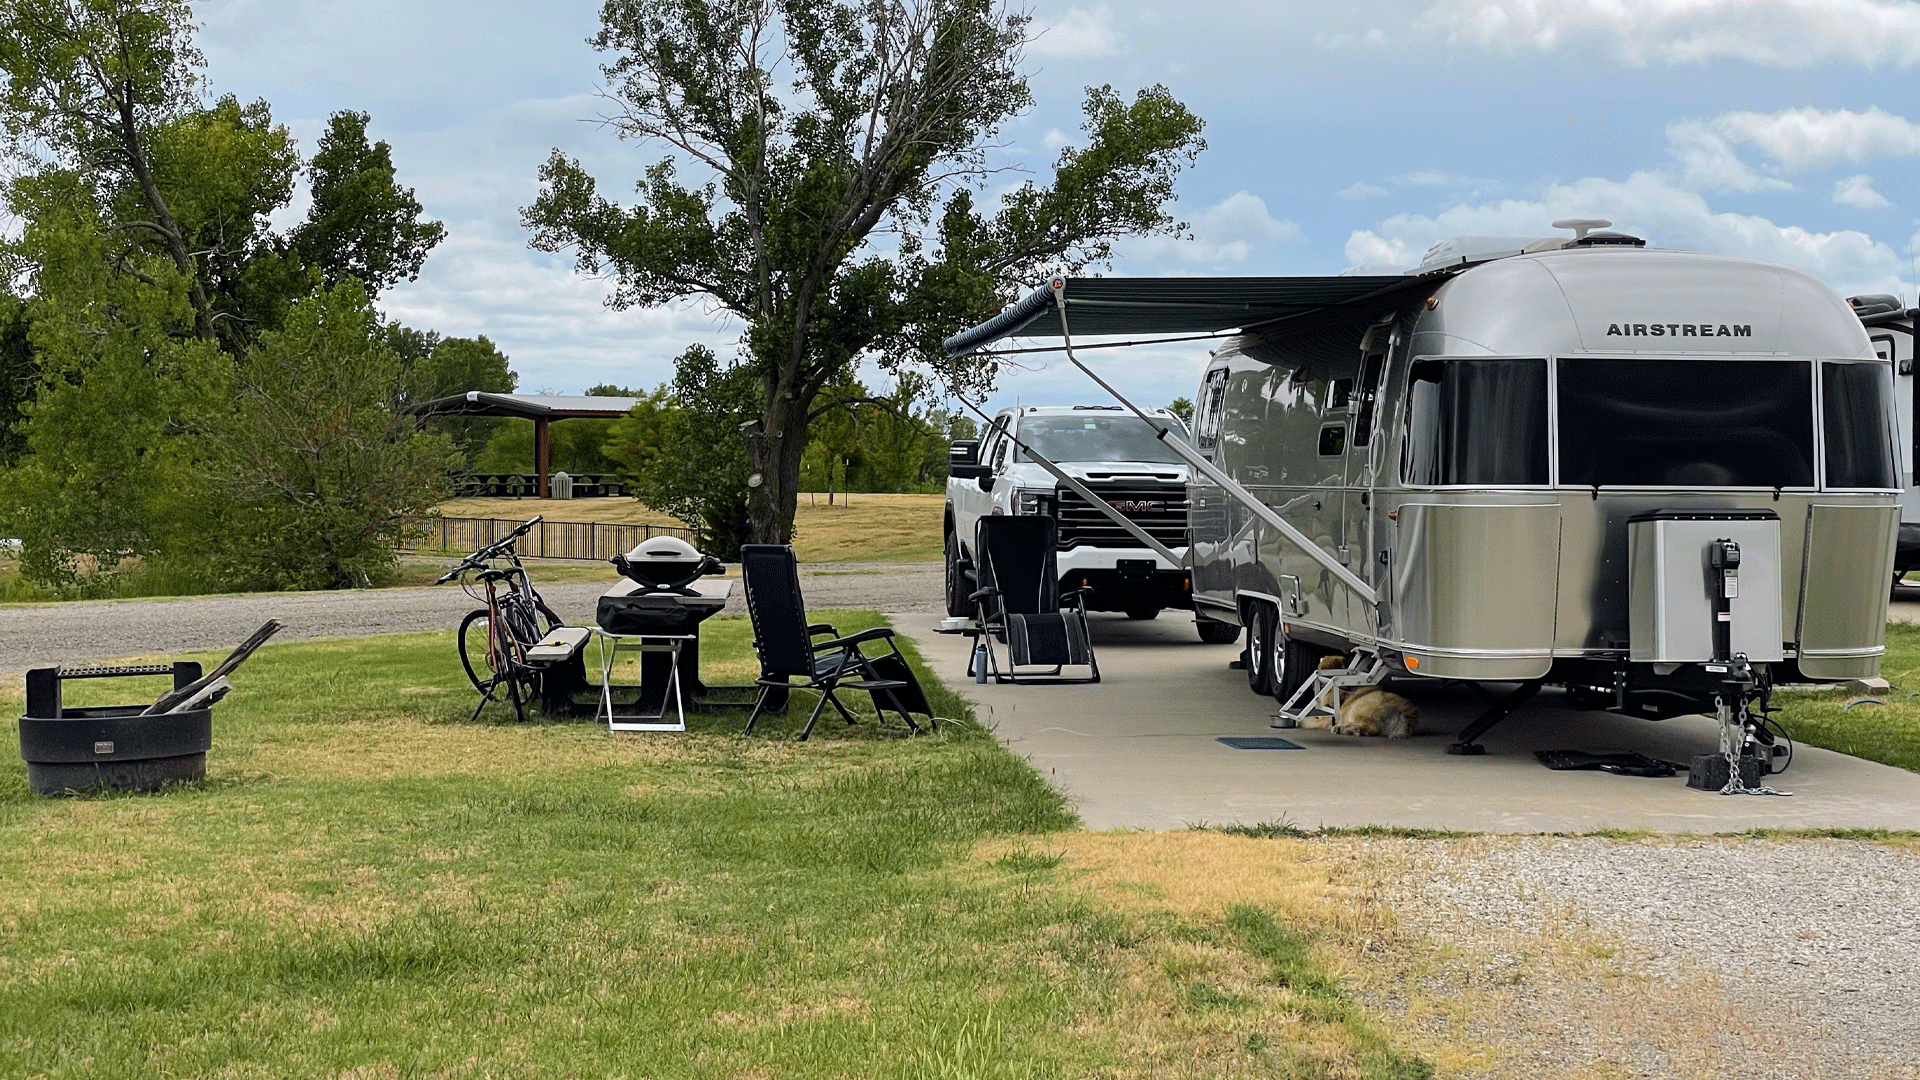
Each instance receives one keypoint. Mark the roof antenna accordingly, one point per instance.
(1581, 226)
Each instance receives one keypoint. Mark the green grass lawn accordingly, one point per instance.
(1888, 732)
(367, 885)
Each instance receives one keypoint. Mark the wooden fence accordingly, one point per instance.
(548, 540)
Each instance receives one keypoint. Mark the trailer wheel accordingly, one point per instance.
(1295, 662)
(957, 592)
(1261, 624)
(1215, 632)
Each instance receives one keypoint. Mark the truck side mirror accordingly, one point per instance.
(963, 462)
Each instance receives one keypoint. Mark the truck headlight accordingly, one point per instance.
(1033, 501)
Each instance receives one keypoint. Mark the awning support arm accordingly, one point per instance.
(1084, 492)
(1207, 468)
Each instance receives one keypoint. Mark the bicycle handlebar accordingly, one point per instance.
(492, 551)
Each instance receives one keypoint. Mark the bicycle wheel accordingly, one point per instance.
(476, 650)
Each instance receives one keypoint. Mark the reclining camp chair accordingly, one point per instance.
(790, 658)
(1019, 603)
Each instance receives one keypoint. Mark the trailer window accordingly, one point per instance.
(1685, 423)
(1857, 407)
(1480, 422)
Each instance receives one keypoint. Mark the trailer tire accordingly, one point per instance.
(958, 606)
(1262, 623)
(1215, 632)
(1294, 662)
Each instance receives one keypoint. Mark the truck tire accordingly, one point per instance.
(1294, 662)
(1143, 613)
(1262, 624)
(1215, 632)
(957, 585)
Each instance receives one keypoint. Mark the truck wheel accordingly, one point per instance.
(1143, 613)
(1294, 662)
(1215, 632)
(1260, 630)
(957, 591)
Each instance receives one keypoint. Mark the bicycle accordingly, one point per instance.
(493, 641)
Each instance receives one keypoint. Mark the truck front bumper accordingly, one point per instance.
(1131, 583)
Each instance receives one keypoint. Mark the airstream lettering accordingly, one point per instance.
(1678, 330)
(1489, 477)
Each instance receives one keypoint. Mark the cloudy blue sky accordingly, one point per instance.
(1339, 136)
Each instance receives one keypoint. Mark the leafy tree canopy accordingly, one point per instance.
(837, 146)
(363, 224)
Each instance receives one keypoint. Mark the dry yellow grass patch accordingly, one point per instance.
(873, 527)
(1192, 1000)
(389, 748)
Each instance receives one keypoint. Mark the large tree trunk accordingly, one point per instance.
(773, 455)
(165, 223)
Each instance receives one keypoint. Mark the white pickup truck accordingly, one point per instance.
(1118, 457)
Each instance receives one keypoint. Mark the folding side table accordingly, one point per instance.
(660, 689)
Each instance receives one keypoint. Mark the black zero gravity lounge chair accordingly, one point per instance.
(1019, 602)
(790, 658)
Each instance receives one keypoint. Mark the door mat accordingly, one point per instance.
(1627, 764)
(1258, 742)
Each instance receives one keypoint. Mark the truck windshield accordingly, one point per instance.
(1480, 422)
(1686, 423)
(1098, 437)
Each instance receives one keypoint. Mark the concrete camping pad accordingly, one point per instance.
(1140, 750)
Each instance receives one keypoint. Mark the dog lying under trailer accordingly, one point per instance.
(1660, 479)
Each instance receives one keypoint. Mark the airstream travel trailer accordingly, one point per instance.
(1890, 328)
(1660, 479)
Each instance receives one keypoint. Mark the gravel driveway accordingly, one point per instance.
(1716, 957)
(94, 630)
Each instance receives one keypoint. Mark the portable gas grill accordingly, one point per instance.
(667, 589)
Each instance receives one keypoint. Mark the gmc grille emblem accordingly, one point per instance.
(1138, 506)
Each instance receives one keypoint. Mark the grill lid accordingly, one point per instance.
(665, 563)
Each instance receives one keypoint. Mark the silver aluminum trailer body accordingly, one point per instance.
(1475, 453)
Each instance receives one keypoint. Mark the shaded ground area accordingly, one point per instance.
(88, 630)
(1140, 750)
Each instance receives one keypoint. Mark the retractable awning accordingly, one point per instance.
(1187, 305)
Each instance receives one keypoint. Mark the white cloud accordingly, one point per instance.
(1655, 206)
(1708, 161)
(1796, 140)
(1857, 192)
(1224, 234)
(1367, 249)
(1359, 189)
(1802, 139)
(1076, 34)
(1781, 33)
(553, 323)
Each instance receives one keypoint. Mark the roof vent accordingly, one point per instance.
(1606, 238)
(1874, 304)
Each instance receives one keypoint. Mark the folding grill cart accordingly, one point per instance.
(655, 611)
